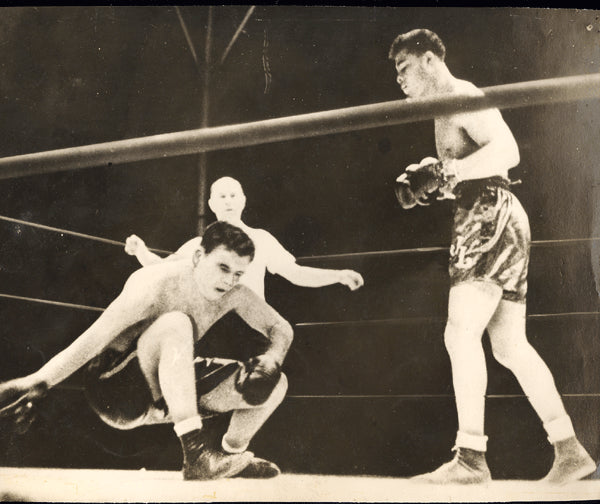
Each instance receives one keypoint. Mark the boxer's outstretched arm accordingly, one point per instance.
(135, 246)
(134, 303)
(306, 276)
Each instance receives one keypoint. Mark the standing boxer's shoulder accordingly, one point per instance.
(465, 87)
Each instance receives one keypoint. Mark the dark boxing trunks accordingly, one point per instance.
(118, 392)
(490, 237)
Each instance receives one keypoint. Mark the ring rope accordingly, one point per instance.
(377, 253)
(315, 324)
(73, 233)
(520, 94)
(418, 320)
(418, 250)
(48, 301)
(77, 387)
(421, 396)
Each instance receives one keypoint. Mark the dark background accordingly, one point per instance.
(74, 76)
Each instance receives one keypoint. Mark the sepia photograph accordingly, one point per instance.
(266, 253)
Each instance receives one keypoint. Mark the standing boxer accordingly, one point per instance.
(488, 264)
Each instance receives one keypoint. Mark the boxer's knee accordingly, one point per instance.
(171, 332)
(176, 324)
(512, 355)
(459, 338)
(171, 328)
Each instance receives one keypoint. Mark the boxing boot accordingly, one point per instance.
(201, 462)
(571, 462)
(466, 468)
(259, 468)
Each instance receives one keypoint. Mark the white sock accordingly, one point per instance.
(559, 429)
(188, 425)
(471, 441)
(229, 449)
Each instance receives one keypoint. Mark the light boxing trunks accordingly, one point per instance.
(490, 237)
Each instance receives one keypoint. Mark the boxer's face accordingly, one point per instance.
(413, 73)
(218, 272)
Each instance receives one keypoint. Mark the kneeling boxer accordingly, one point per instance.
(141, 368)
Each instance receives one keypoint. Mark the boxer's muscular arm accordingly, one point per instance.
(497, 150)
(135, 302)
(261, 317)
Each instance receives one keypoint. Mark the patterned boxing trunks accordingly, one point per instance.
(490, 237)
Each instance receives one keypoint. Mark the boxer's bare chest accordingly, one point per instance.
(451, 138)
